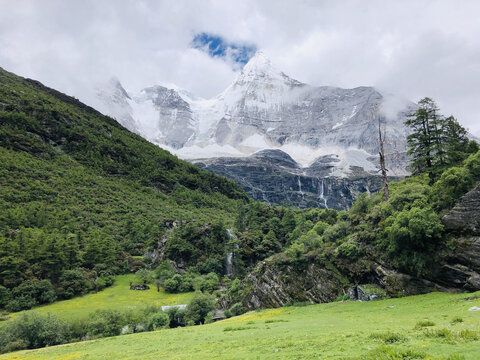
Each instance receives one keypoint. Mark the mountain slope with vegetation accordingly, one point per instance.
(80, 195)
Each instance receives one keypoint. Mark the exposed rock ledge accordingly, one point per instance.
(465, 216)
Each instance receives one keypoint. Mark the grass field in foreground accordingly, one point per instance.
(350, 330)
(118, 296)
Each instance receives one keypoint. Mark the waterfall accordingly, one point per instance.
(228, 260)
(322, 195)
(300, 186)
(229, 264)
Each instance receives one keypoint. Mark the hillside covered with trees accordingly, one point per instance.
(80, 196)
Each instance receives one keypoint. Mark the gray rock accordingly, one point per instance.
(465, 216)
(274, 177)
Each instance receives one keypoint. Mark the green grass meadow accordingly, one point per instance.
(432, 326)
(118, 296)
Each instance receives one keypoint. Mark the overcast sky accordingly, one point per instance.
(410, 48)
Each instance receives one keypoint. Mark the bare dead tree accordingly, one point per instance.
(381, 140)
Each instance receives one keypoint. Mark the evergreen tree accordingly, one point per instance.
(436, 142)
(424, 141)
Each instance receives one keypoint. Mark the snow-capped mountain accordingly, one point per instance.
(265, 109)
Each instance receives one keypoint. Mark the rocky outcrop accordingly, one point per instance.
(139, 287)
(273, 286)
(465, 216)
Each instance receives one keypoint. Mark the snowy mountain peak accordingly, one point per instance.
(261, 70)
(259, 64)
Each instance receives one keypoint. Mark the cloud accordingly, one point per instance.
(413, 48)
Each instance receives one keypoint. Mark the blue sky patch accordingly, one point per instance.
(216, 46)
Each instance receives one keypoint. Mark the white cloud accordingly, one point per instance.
(412, 48)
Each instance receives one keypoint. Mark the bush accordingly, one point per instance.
(144, 276)
(106, 323)
(4, 296)
(31, 293)
(336, 232)
(412, 237)
(72, 283)
(14, 346)
(179, 283)
(199, 307)
(159, 320)
(32, 330)
(424, 323)
(171, 285)
(176, 316)
(349, 249)
(237, 309)
(209, 283)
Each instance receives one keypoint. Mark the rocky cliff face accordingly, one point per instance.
(330, 133)
(274, 177)
(465, 216)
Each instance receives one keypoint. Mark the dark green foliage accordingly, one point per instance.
(32, 330)
(29, 294)
(4, 296)
(158, 321)
(202, 246)
(436, 142)
(413, 232)
(106, 323)
(199, 307)
(178, 284)
(78, 192)
(237, 309)
(176, 316)
(72, 283)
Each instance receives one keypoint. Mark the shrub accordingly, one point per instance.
(14, 346)
(176, 316)
(144, 276)
(71, 283)
(349, 249)
(158, 321)
(209, 283)
(388, 337)
(336, 232)
(171, 285)
(31, 293)
(32, 330)
(456, 320)
(423, 324)
(237, 309)
(4, 296)
(199, 307)
(106, 323)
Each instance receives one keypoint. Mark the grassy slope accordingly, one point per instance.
(116, 297)
(329, 331)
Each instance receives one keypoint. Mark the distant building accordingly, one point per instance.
(182, 307)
